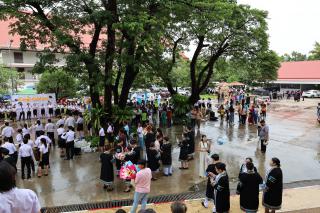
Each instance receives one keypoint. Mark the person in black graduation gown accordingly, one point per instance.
(134, 154)
(249, 190)
(107, 174)
(153, 159)
(211, 173)
(184, 151)
(221, 189)
(272, 196)
(149, 138)
(166, 157)
(191, 147)
(243, 168)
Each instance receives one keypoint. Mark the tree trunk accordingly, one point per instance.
(93, 88)
(127, 84)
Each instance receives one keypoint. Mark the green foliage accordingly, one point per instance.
(261, 68)
(294, 56)
(120, 115)
(94, 116)
(9, 80)
(57, 81)
(181, 108)
(315, 53)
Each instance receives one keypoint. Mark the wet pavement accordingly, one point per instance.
(294, 139)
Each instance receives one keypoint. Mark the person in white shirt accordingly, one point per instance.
(31, 144)
(9, 146)
(69, 137)
(14, 200)
(26, 155)
(19, 137)
(70, 121)
(61, 141)
(25, 130)
(44, 157)
(38, 140)
(80, 123)
(38, 128)
(7, 132)
(29, 110)
(22, 112)
(102, 137)
(110, 133)
(50, 109)
(140, 135)
(35, 111)
(50, 128)
(60, 121)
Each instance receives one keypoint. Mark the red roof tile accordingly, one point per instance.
(299, 70)
(6, 37)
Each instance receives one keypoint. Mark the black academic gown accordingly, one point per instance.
(106, 174)
(191, 142)
(153, 159)
(222, 194)
(272, 197)
(166, 157)
(249, 193)
(149, 138)
(210, 189)
(184, 150)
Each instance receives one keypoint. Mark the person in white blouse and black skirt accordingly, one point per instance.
(44, 158)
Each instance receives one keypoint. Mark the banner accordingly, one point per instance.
(38, 99)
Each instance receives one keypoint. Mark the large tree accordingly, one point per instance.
(216, 29)
(9, 80)
(58, 82)
(94, 35)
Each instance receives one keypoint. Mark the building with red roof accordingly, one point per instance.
(299, 75)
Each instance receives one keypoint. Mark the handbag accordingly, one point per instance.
(265, 143)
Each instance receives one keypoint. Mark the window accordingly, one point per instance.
(18, 57)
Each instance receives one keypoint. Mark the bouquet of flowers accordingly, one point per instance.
(128, 171)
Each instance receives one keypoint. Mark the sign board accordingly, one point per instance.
(37, 99)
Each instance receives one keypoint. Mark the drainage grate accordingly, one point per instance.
(120, 203)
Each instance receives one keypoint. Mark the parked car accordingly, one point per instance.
(311, 94)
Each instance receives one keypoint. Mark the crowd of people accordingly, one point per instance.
(140, 142)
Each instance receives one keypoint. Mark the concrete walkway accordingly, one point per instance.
(302, 200)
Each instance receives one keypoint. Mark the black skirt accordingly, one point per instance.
(43, 111)
(35, 112)
(102, 141)
(45, 160)
(57, 112)
(13, 115)
(51, 111)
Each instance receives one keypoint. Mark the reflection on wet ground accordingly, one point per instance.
(294, 140)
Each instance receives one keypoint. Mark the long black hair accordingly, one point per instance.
(7, 177)
(276, 161)
(44, 141)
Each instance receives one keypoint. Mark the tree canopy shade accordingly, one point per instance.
(100, 37)
(58, 82)
(294, 56)
(9, 80)
(220, 28)
(112, 42)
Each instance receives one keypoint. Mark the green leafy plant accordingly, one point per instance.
(181, 108)
(120, 115)
(94, 116)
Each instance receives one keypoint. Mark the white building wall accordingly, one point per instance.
(30, 58)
